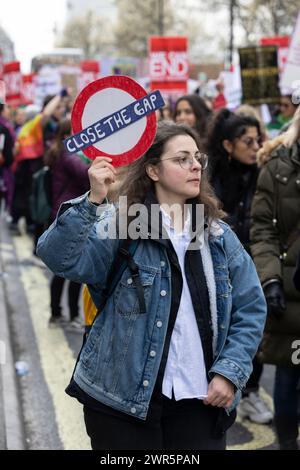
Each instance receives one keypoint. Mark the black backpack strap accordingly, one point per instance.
(126, 250)
(134, 270)
(124, 258)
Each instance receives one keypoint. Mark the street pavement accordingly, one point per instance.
(35, 412)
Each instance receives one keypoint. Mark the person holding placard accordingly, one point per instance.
(165, 361)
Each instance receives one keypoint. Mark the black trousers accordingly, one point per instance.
(23, 188)
(253, 382)
(184, 424)
(56, 290)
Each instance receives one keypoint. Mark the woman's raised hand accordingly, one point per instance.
(101, 174)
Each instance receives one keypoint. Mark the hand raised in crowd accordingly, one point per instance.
(101, 175)
(275, 299)
(220, 392)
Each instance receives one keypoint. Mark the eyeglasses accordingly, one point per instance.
(250, 142)
(187, 161)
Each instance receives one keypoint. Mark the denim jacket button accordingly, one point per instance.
(129, 281)
(159, 324)
(146, 383)
(152, 353)
(163, 264)
(133, 410)
(163, 293)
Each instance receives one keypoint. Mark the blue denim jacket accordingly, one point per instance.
(121, 357)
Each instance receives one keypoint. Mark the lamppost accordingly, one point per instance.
(160, 22)
(231, 25)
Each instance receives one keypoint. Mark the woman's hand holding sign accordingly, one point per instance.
(101, 174)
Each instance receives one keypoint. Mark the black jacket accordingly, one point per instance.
(297, 274)
(7, 151)
(235, 188)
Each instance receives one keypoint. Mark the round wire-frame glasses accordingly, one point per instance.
(186, 161)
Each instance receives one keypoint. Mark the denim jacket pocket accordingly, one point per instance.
(125, 296)
(93, 343)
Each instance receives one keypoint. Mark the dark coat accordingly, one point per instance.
(297, 274)
(69, 180)
(7, 151)
(235, 189)
(275, 246)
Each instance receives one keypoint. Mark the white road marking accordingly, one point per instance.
(7, 251)
(56, 356)
(262, 434)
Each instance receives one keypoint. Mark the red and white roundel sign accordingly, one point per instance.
(102, 98)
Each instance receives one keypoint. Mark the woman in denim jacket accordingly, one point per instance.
(165, 362)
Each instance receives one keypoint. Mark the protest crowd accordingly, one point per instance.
(179, 346)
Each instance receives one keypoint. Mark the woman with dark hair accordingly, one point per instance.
(69, 179)
(232, 146)
(164, 362)
(193, 111)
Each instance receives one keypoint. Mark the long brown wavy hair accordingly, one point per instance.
(137, 184)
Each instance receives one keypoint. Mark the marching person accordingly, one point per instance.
(232, 146)
(69, 178)
(7, 139)
(275, 245)
(193, 111)
(297, 274)
(165, 361)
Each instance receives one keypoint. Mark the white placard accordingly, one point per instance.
(47, 82)
(291, 72)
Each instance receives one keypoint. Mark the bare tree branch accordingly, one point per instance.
(88, 32)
